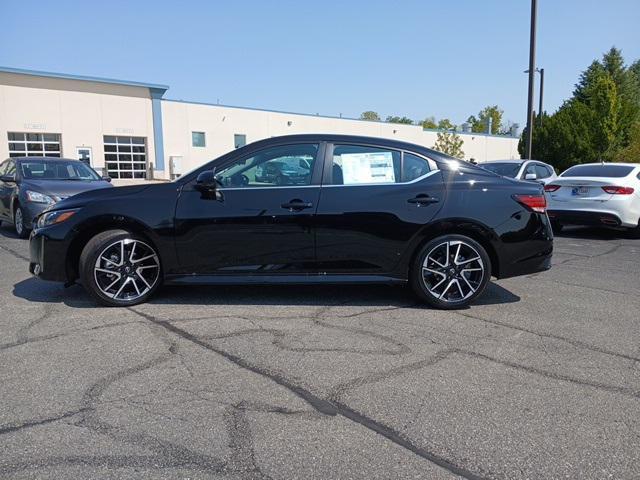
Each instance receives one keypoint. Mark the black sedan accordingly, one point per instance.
(372, 211)
(29, 185)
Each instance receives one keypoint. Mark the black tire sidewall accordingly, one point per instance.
(88, 259)
(417, 282)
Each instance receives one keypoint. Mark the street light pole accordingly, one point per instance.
(541, 92)
(532, 67)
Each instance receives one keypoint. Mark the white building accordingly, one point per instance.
(128, 128)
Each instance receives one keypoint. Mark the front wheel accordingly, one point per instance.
(18, 222)
(450, 271)
(119, 268)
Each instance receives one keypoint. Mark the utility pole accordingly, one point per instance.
(532, 68)
(541, 92)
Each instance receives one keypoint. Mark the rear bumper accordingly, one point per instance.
(593, 218)
(47, 257)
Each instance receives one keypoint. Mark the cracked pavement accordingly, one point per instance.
(539, 379)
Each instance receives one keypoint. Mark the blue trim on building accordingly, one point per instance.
(158, 139)
(67, 76)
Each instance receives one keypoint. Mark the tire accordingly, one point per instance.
(114, 281)
(450, 272)
(556, 226)
(635, 232)
(18, 223)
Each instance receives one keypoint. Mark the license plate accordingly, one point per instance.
(580, 191)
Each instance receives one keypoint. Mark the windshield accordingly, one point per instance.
(601, 170)
(506, 169)
(57, 170)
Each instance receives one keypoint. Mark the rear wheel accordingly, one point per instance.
(635, 232)
(450, 271)
(18, 223)
(119, 268)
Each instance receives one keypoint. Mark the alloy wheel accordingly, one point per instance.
(126, 269)
(19, 221)
(453, 271)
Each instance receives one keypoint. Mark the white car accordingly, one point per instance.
(606, 194)
(528, 170)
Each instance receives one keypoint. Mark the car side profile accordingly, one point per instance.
(371, 211)
(29, 185)
(527, 170)
(601, 194)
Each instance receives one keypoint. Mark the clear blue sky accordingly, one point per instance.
(413, 58)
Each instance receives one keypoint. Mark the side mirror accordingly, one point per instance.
(530, 176)
(207, 184)
(106, 178)
(7, 178)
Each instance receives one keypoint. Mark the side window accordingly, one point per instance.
(358, 165)
(542, 171)
(3, 167)
(276, 166)
(11, 168)
(413, 167)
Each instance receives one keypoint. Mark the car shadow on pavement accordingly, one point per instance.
(36, 290)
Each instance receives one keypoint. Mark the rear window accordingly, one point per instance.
(605, 170)
(504, 169)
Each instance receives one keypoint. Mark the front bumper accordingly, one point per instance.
(31, 210)
(47, 257)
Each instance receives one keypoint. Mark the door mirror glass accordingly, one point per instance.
(106, 178)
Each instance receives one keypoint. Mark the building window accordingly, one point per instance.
(198, 139)
(239, 140)
(34, 144)
(125, 157)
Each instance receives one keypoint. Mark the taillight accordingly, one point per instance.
(551, 188)
(536, 203)
(618, 190)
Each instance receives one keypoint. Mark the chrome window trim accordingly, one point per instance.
(224, 189)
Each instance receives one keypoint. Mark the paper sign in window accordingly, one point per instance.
(373, 167)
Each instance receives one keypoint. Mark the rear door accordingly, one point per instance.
(373, 200)
(7, 188)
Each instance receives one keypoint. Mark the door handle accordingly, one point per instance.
(296, 205)
(423, 199)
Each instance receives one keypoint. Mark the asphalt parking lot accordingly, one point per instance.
(540, 379)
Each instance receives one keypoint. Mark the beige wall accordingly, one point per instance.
(81, 111)
(220, 123)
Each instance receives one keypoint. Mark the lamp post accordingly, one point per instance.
(532, 67)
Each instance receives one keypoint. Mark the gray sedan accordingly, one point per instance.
(29, 185)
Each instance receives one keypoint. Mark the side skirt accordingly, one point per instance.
(311, 279)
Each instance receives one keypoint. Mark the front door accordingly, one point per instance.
(374, 200)
(260, 223)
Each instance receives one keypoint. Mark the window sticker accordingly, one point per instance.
(372, 167)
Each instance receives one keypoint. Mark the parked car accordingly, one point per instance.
(605, 194)
(372, 211)
(289, 171)
(29, 185)
(528, 170)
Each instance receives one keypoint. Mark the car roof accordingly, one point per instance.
(607, 164)
(331, 137)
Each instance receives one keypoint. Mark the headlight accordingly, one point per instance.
(55, 216)
(37, 197)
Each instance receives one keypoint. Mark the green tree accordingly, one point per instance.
(599, 122)
(396, 119)
(429, 123)
(370, 115)
(479, 123)
(449, 144)
(445, 124)
(631, 153)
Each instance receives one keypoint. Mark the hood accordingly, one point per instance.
(63, 188)
(81, 199)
